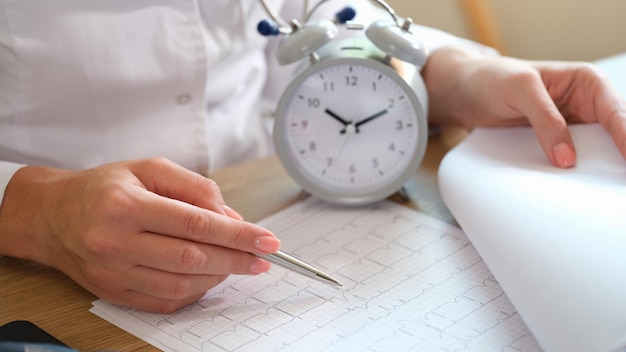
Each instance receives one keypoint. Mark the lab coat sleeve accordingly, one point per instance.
(7, 170)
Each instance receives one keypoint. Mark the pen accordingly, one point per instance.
(296, 265)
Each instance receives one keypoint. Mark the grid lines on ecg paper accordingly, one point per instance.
(408, 285)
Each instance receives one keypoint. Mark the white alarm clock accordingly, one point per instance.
(351, 127)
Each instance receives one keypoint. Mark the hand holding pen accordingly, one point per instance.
(148, 234)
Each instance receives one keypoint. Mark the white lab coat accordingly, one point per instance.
(88, 82)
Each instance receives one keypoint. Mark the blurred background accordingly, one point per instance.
(530, 29)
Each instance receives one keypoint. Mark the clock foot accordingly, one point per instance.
(403, 194)
(303, 195)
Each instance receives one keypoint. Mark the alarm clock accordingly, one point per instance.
(351, 127)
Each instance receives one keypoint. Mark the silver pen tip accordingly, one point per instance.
(329, 279)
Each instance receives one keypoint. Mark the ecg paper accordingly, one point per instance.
(410, 283)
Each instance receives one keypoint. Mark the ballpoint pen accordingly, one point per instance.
(296, 265)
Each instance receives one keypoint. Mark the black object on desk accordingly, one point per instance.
(25, 331)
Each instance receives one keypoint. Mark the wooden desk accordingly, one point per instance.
(49, 299)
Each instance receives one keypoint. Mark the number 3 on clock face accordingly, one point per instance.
(350, 130)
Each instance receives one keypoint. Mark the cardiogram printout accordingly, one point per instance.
(410, 283)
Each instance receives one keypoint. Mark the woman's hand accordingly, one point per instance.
(474, 90)
(147, 234)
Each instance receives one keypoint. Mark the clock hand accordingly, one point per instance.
(366, 120)
(338, 118)
(343, 146)
(354, 128)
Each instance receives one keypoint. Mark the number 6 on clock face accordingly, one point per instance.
(350, 130)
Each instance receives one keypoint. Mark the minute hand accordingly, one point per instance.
(366, 120)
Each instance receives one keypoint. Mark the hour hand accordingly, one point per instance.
(337, 117)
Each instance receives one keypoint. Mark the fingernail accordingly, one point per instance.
(259, 266)
(564, 155)
(268, 244)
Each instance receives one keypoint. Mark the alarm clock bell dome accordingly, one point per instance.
(397, 42)
(305, 40)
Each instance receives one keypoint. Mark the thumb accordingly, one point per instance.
(171, 180)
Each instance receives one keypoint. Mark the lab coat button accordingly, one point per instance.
(183, 99)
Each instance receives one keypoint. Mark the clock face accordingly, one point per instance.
(350, 130)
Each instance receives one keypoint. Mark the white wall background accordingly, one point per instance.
(535, 29)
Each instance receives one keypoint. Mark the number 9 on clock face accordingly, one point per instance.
(350, 130)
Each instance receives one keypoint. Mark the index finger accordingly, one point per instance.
(534, 102)
(171, 217)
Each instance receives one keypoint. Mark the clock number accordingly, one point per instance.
(375, 163)
(399, 125)
(329, 87)
(304, 124)
(374, 85)
(352, 169)
(392, 103)
(314, 103)
(329, 162)
(392, 147)
(352, 81)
